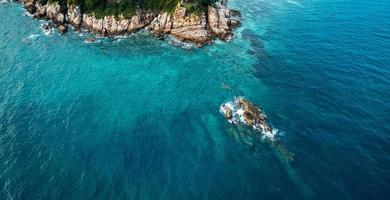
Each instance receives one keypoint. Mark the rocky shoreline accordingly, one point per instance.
(200, 28)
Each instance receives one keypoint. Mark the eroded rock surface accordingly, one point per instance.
(200, 28)
(242, 110)
(50, 11)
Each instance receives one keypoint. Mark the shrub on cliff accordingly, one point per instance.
(128, 8)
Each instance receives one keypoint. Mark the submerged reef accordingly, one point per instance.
(187, 21)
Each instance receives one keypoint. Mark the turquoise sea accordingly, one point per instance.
(138, 118)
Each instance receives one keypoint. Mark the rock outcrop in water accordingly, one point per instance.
(243, 111)
(200, 28)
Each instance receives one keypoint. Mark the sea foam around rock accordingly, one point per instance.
(237, 116)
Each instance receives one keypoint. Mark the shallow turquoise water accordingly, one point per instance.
(138, 118)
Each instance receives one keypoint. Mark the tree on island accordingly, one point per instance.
(128, 7)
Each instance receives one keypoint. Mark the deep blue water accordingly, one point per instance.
(138, 118)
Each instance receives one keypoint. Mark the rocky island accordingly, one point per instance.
(241, 110)
(195, 21)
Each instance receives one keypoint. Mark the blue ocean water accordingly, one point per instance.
(138, 118)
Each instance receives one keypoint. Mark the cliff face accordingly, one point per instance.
(49, 12)
(200, 28)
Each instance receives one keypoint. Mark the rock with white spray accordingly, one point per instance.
(241, 110)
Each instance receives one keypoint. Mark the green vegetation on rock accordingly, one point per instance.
(127, 8)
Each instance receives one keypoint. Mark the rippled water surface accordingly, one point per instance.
(138, 118)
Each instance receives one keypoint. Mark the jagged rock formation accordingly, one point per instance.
(49, 12)
(199, 28)
(187, 27)
(242, 110)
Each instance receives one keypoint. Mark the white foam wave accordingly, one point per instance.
(118, 40)
(47, 31)
(294, 3)
(270, 134)
(33, 36)
(174, 41)
(120, 37)
(30, 38)
(28, 14)
(229, 104)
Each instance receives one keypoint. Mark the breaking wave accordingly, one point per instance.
(46, 31)
(175, 42)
